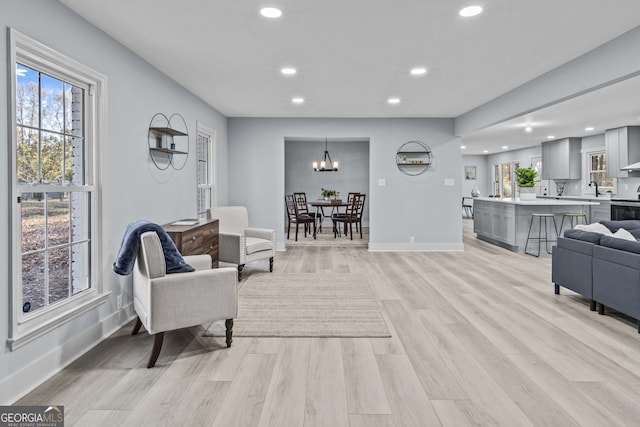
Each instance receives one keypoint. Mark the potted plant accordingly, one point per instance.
(327, 194)
(526, 180)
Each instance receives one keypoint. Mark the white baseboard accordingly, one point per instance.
(415, 247)
(31, 376)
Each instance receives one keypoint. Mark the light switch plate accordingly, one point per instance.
(449, 182)
(382, 182)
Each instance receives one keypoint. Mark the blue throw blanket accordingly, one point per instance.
(131, 242)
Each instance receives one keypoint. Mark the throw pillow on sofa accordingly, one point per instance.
(624, 234)
(596, 227)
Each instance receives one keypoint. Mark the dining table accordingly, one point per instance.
(320, 204)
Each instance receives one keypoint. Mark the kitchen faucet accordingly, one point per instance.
(596, 184)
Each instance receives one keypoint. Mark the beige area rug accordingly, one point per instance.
(306, 305)
(326, 238)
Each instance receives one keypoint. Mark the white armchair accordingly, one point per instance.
(239, 243)
(167, 302)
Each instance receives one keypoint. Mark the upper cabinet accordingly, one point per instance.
(623, 149)
(561, 159)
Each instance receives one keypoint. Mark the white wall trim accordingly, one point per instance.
(415, 247)
(47, 365)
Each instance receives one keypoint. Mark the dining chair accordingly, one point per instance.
(303, 207)
(294, 216)
(467, 207)
(339, 214)
(352, 216)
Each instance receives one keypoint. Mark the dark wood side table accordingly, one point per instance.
(197, 239)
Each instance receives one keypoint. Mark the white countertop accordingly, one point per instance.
(539, 201)
(588, 197)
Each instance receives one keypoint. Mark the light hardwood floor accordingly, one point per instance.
(479, 338)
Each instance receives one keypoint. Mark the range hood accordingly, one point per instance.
(631, 167)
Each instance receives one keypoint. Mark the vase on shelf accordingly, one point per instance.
(475, 192)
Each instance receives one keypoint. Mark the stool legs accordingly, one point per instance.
(546, 233)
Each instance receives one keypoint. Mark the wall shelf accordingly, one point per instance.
(168, 142)
(414, 158)
(167, 151)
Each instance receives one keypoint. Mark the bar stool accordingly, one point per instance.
(572, 216)
(540, 217)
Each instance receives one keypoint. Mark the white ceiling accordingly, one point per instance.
(353, 55)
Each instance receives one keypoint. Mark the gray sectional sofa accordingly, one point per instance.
(602, 268)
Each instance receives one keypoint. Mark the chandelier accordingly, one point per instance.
(326, 165)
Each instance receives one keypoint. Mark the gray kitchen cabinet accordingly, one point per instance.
(561, 159)
(601, 212)
(482, 224)
(623, 148)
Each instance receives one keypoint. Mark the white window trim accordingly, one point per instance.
(585, 174)
(203, 129)
(33, 53)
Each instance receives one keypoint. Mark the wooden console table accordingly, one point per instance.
(197, 239)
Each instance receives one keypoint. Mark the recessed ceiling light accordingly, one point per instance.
(297, 100)
(270, 12)
(504, 147)
(485, 151)
(463, 147)
(470, 11)
(588, 129)
(418, 71)
(551, 136)
(528, 129)
(393, 101)
(289, 71)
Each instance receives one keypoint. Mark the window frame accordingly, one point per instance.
(210, 133)
(498, 178)
(586, 168)
(32, 53)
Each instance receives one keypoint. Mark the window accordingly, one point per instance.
(596, 170)
(206, 176)
(55, 257)
(505, 180)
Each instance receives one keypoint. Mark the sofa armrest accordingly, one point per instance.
(580, 246)
(261, 233)
(187, 299)
(616, 255)
(232, 247)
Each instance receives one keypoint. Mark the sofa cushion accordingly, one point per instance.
(255, 244)
(587, 236)
(628, 224)
(620, 244)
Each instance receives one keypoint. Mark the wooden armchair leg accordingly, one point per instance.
(136, 327)
(271, 264)
(229, 333)
(240, 267)
(157, 346)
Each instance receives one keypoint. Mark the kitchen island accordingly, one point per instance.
(505, 222)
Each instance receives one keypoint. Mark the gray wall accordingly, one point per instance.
(133, 187)
(483, 177)
(352, 176)
(421, 207)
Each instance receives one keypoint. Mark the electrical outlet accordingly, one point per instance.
(119, 302)
(412, 239)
